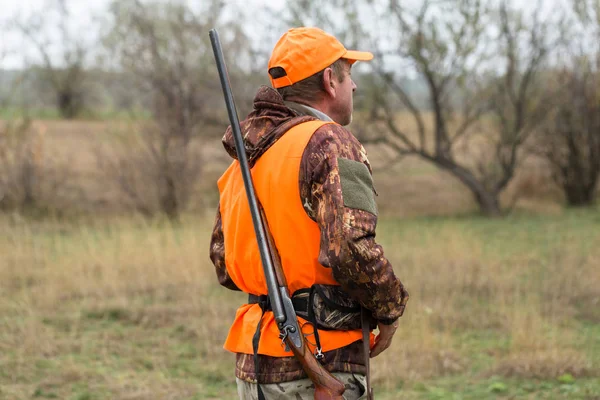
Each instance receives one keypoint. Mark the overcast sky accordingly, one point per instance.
(83, 12)
(82, 15)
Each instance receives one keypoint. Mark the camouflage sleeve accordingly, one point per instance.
(217, 254)
(347, 216)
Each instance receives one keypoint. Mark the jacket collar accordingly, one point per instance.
(303, 109)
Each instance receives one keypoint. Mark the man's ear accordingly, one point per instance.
(329, 82)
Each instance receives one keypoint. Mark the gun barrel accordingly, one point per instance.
(259, 228)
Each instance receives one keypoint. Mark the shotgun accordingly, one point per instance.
(327, 387)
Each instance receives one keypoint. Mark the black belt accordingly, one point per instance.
(300, 303)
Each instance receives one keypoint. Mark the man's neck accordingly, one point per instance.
(306, 109)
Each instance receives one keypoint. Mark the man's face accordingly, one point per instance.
(343, 103)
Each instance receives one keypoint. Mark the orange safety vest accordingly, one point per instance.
(297, 237)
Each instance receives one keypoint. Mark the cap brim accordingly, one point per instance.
(354, 55)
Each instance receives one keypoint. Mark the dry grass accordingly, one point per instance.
(130, 309)
(466, 280)
(104, 302)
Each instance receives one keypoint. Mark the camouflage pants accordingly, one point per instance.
(302, 389)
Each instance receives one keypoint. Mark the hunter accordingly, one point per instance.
(313, 179)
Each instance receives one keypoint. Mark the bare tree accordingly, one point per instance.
(570, 141)
(16, 171)
(588, 13)
(19, 166)
(482, 102)
(30, 179)
(164, 47)
(517, 96)
(65, 73)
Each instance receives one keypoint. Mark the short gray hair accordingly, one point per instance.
(311, 88)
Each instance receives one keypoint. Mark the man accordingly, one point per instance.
(314, 182)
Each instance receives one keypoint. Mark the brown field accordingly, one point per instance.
(411, 187)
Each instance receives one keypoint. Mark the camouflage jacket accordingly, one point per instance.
(347, 233)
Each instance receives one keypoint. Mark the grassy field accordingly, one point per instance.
(95, 306)
(130, 309)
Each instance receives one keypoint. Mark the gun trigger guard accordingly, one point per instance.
(283, 336)
(319, 354)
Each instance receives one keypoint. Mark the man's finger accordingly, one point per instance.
(380, 345)
(384, 339)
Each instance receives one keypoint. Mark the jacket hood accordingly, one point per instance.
(270, 118)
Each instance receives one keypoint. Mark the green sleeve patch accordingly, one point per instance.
(357, 185)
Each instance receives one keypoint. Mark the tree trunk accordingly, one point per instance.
(28, 185)
(65, 105)
(69, 104)
(488, 201)
(168, 201)
(579, 195)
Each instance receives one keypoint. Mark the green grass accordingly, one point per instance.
(95, 351)
(514, 234)
(467, 388)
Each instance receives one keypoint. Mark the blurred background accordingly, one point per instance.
(481, 119)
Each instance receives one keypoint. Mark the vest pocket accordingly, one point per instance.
(328, 307)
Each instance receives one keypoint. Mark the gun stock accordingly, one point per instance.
(327, 386)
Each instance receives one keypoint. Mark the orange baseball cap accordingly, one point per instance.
(302, 52)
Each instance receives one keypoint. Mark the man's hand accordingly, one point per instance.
(386, 332)
(384, 339)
